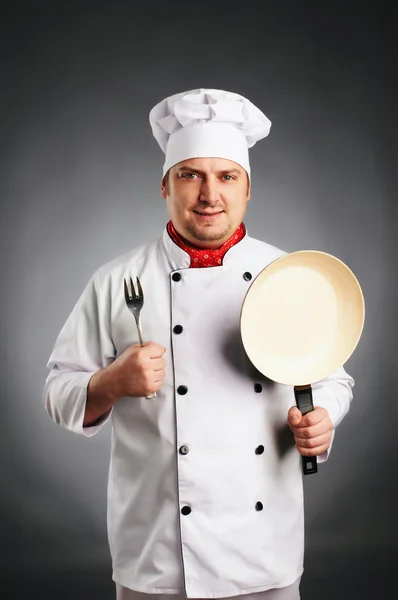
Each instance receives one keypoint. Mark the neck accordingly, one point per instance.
(206, 245)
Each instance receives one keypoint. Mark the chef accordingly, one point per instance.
(205, 494)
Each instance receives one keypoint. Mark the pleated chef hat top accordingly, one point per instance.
(207, 123)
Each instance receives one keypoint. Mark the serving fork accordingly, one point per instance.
(135, 302)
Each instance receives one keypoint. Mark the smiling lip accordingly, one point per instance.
(208, 216)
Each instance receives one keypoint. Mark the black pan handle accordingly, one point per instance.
(303, 395)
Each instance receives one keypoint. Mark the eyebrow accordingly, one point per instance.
(223, 172)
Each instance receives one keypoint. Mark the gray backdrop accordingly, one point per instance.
(80, 185)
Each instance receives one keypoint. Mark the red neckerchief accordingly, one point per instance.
(206, 257)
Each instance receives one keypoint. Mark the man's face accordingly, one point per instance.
(206, 199)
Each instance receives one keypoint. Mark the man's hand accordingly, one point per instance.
(137, 372)
(312, 432)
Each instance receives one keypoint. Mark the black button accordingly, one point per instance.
(184, 450)
(186, 510)
(178, 329)
(259, 506)
(259, 449)
(258, 388)
(247, 276)
(182, 389)
(176, 276)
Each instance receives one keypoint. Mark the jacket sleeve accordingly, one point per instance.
(334, 393)
(83, 347)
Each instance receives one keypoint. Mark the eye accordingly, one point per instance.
(228, 177)
(188, 175)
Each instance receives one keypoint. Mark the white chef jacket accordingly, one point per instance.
(214, 443)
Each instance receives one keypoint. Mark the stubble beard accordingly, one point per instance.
(209, 236)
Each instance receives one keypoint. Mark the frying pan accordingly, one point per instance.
(301, 319)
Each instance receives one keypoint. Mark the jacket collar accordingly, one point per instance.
(181, 259)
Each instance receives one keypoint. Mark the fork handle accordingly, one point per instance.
(139, 331)
(153, 395)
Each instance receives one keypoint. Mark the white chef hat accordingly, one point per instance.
(207, 123)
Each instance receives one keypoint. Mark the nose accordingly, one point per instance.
(209, 192)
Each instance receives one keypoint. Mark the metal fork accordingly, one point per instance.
(135, 302)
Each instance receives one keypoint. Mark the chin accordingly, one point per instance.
(210, 236)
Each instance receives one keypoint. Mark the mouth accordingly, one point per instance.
(207, 216)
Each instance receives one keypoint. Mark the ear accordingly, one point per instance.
(249, 187)
(163, 188)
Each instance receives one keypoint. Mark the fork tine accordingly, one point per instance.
(132, 288)
(126, 291)
(140, 292)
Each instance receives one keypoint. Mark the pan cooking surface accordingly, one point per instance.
(302, 317)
